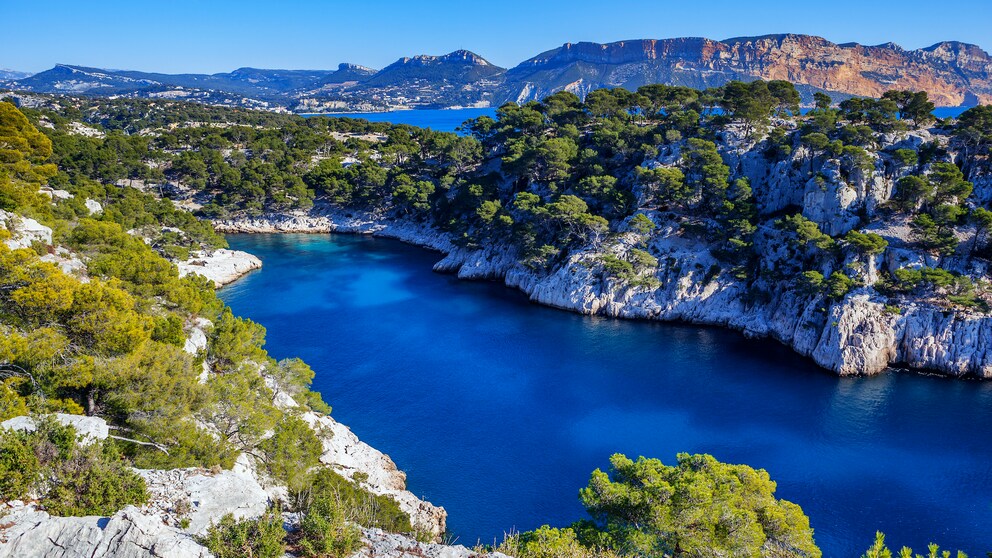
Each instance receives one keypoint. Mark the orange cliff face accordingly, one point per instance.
(952, 73)
(949, 72)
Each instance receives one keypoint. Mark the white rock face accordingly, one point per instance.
(127, 534)
(196, 336)
(220, 266)
(389, 545)
(88, 428)
(210, 496)
(348, 454)
(326, 219)
(24, 230)
(93, 207)
(55, 194)
(68, 262)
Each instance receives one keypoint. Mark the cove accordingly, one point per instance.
(440, 120)
(498, 409)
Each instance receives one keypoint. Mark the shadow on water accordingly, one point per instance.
(499, 409)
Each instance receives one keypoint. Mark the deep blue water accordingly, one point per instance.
(498, 409)
(441, 120)
(447, 120)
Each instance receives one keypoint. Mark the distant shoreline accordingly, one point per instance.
(346, 113)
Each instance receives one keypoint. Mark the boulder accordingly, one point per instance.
(129, 533)
(24, 230)
(220, 266)
(88, 428)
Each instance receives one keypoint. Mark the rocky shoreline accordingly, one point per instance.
(220, 266)
(202, 497)
(856, 335)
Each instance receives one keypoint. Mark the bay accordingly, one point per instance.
(498, 409)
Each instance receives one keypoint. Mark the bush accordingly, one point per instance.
(549, 542)
(866, 243)
(839, 285)
(325, 489)
(615, 267)
(78, 480)
(325, 531)
(189, 446)
(19, 467)
(94, 480)
(254, 538)
(811, 282)
(879, 550)
(292, 450)
(699, 507)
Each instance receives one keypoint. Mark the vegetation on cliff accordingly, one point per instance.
(543, 180)
(547, 179)
(112, 341)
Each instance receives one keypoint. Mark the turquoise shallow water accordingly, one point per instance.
(498, 409)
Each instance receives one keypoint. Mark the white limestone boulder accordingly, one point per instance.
(89, 429)
(220, 266)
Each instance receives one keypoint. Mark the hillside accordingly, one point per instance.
(953, 73)
(141, 418)
(855, 234)
(858, 234)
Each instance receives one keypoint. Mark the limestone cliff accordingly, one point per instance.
(864, 332)
(952, 73)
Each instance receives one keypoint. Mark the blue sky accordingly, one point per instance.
(221, 35)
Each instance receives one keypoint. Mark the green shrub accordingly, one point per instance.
(325, 531)
(811, 282)
(77, 479)
(19, 467)
(94, 480)
(254, 538)
(615, 267)
(358, 504)
(879, 550)
(12, 403)
(189, 446)
(169, 329)
(838, 285)
(866, 243)
(549, 542)
(698, 507)
(292, 450)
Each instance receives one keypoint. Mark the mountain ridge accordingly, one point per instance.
(954, 73)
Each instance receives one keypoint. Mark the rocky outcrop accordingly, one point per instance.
(220, 266)
(88, 429)
(380, 544)
(354, 459)
(24, 231)
(204, 497)
(129, 533)
(183, 503)
(952, 73)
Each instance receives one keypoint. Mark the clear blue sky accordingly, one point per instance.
(221, 35)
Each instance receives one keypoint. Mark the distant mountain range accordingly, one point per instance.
(953, 73)
(6, 74)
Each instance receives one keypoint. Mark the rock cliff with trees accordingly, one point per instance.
(858, 234)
